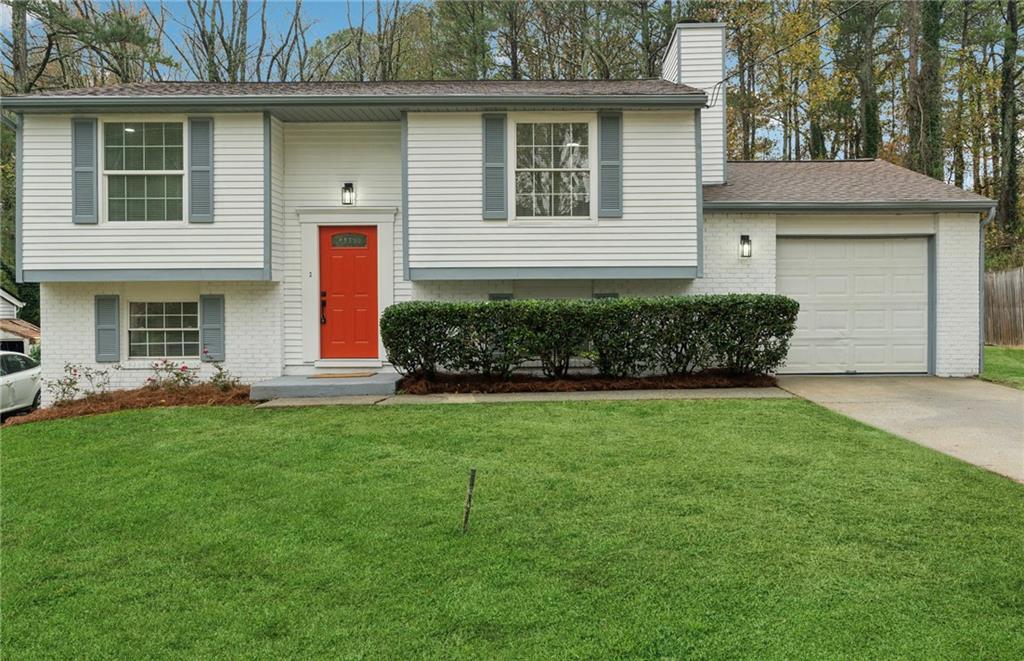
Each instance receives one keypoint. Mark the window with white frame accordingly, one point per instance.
(163, 330)
(144, 166)
(552, 177)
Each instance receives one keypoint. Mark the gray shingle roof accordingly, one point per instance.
(411, 88)
(834, 184)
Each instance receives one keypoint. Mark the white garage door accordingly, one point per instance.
(863, 304)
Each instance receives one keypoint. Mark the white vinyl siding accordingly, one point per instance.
(701, 63)
(318, 159)
(234, 240)
(277, 226)
(447, 229)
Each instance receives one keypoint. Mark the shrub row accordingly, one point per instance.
(741, 333)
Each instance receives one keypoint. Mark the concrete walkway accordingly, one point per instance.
(981, 423)
(604, 396)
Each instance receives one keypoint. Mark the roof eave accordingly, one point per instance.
(28, 103)
(930, 206)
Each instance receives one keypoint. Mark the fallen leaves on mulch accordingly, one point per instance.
(140, 398)
(460, 383)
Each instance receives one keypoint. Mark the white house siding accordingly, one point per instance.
(670, 61)
(702, 65)
(7, 309)
(447, 230)
(725, 272)
(318, 159)
(957, 321)
(252, 313)
(234, 240)
(277, 225)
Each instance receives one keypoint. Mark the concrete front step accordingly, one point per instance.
(382, 383)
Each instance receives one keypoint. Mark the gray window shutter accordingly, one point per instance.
(108, 329)
(84, 205)
(495, 181)
(211, 326)
(609, 165)
(200, 170)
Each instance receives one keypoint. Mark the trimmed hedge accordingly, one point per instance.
(741, 333)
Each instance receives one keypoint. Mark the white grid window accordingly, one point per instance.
(163, 330)
(552, 169)
(144, 166)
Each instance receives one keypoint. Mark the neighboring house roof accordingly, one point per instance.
(21, 328)
(871, 184)
(653, 91)
(11, 298)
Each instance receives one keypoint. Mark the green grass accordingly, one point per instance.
(1004, 365)
(658, 529)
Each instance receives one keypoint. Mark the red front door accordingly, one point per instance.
(348, 292)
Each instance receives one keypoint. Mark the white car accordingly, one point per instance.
(20, 382)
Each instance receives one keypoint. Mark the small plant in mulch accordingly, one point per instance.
(78, 380)
(223, 379)
(171, 375)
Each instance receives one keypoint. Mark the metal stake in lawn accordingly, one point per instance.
(469, 500)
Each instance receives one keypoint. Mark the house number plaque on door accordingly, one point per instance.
(348, 240)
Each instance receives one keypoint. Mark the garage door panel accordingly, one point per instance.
(866, 285)
(914, 321)
(863, 303)
(832, 285)
(870, 320)
(913, 284)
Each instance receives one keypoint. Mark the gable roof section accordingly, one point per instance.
(858, 185)
(646, 92)
(11, 298)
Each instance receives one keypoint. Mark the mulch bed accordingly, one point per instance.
(140, 398)
(460, 383)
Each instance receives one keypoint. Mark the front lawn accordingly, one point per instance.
(1004, 365)
(600, 529)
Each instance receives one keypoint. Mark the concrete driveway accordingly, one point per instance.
(981, 423)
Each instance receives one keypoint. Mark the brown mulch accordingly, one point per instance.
(460, 383)
(140, 398)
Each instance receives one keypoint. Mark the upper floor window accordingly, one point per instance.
(552, 177)
(143, 163)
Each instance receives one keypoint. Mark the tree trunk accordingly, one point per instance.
(915, 104)
(19, 40)
(1007, 211)
(870, 127)
(959, 137)
(931, 90)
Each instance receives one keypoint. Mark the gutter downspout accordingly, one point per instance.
(981, 289)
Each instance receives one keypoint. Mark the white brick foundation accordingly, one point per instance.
(956, 252)
(252, 327)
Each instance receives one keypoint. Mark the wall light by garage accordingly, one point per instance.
(348, 194)
(746, 246)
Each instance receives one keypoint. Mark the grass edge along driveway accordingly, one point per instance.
(706, 529)
(1004, 365)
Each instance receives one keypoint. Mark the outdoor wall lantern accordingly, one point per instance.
(746, 246)
(348, 194)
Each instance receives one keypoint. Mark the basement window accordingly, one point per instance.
(163, 330)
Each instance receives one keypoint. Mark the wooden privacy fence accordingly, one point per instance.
(1004, 307)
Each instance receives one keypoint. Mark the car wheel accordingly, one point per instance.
(37, 400)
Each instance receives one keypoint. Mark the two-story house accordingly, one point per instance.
(268, 225)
